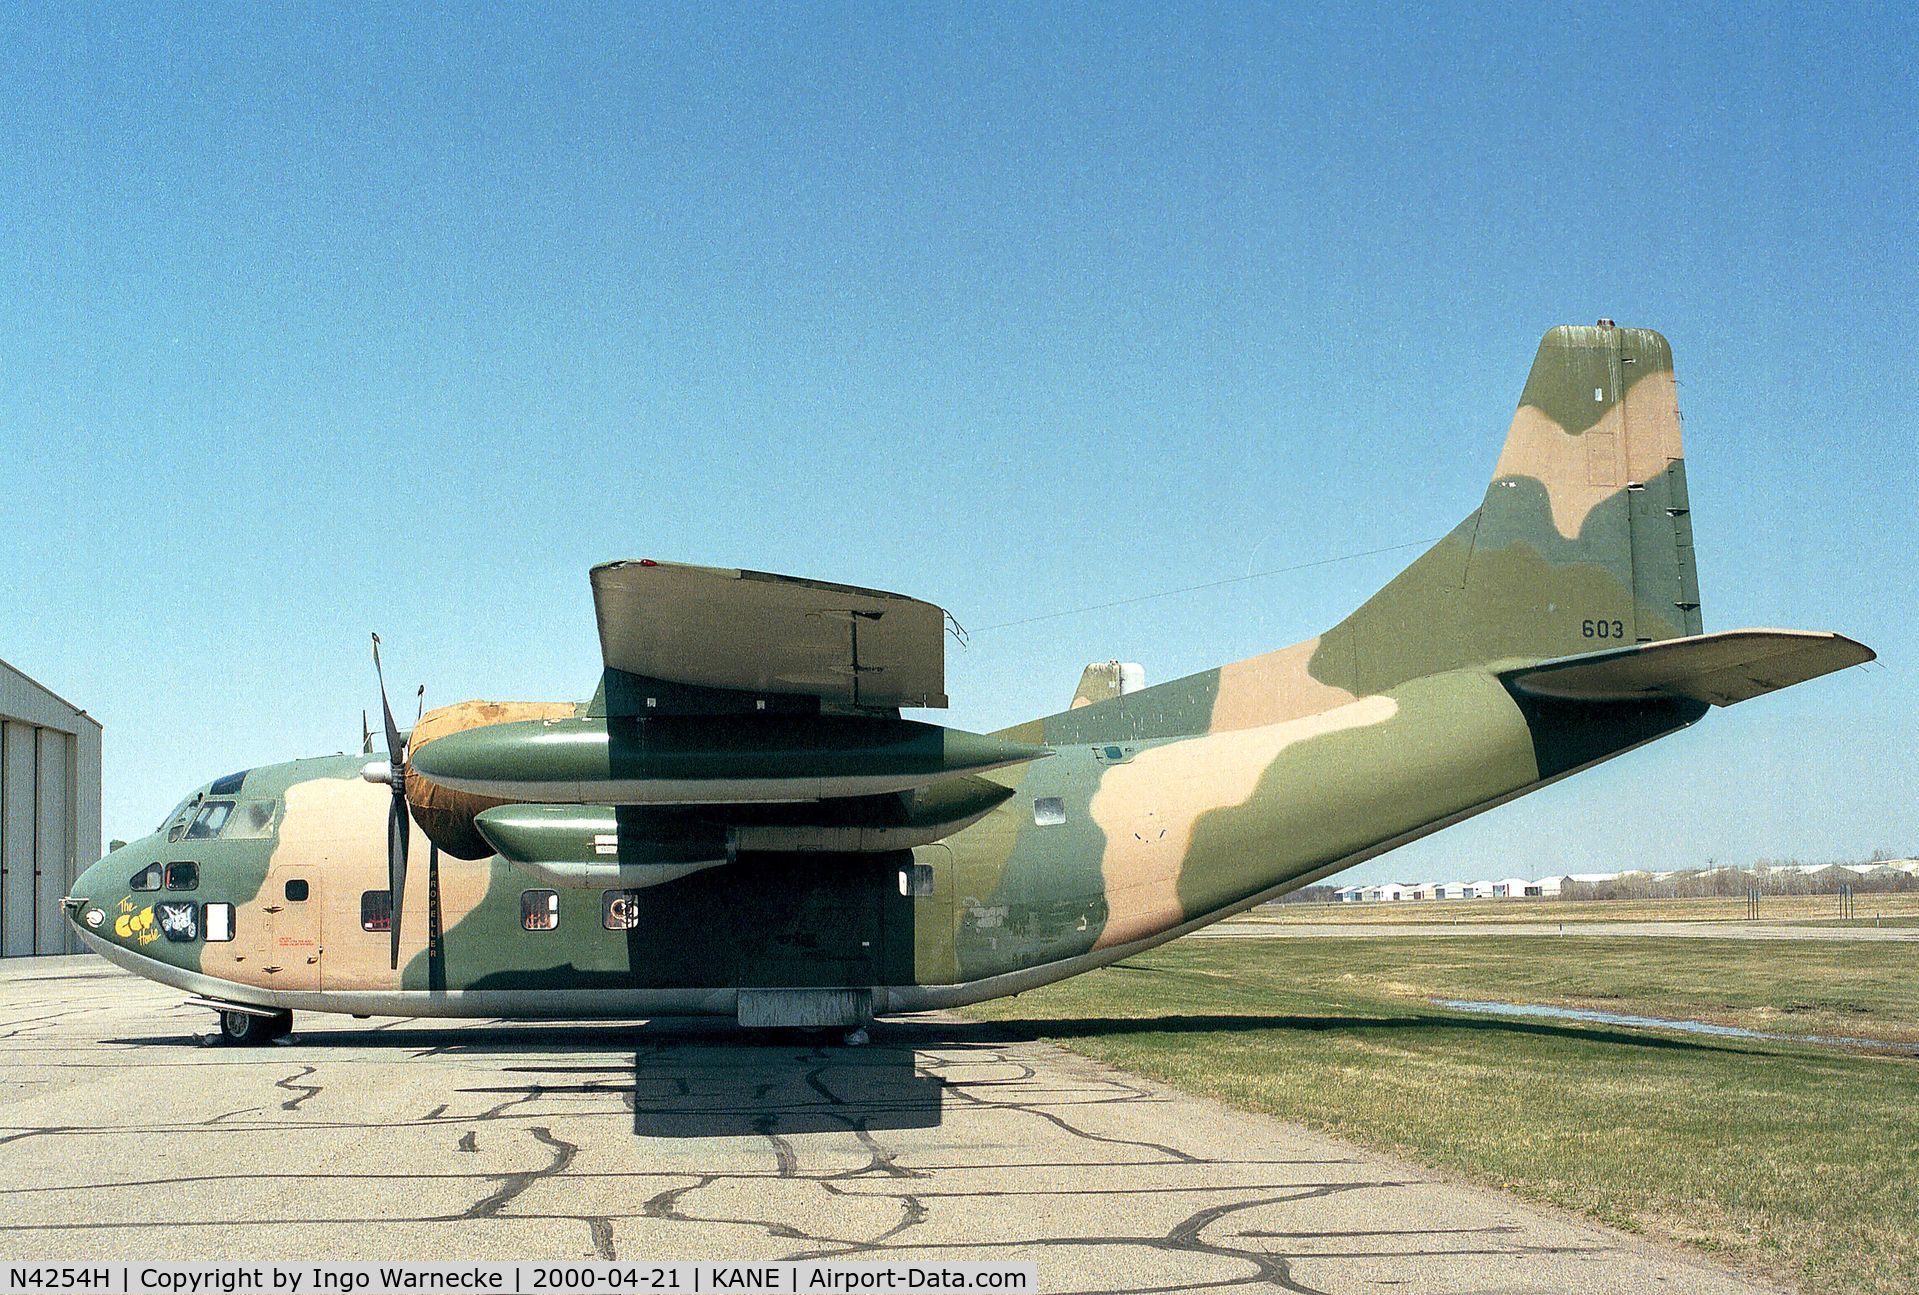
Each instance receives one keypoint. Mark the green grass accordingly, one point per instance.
(1792, 1161)
(1772, 908)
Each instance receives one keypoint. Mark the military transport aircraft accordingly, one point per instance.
(740, 821)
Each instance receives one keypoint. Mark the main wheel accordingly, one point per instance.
(248, 1030)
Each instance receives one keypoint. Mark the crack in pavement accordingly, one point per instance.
(513, 1184)
(292, 1084)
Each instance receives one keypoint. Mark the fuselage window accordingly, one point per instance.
(212, 817)
(180, 922)
(540, 910)
(620, 910)
(183, 876)
(297, 891)
(148, 878)
(1049, 811)
(218, 920)
(916, 879)
(376, 910)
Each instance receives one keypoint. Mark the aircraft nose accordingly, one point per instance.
(82, 902)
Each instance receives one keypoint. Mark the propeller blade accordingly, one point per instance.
(393, 748)
(396, 844)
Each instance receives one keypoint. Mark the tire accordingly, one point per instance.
(247, 1031)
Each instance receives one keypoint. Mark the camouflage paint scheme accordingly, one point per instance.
(1159, 810)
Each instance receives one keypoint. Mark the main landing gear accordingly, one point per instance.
(245, 1029)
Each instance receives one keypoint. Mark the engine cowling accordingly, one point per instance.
(446, 815)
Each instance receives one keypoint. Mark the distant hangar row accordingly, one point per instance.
(1554, 887)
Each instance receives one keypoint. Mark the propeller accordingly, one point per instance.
(392, 772)
(396, 822)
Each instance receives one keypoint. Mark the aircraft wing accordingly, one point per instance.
(1723, 668)
(749, 631)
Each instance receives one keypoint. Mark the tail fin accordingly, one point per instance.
(1584, 540)
(1106, 679)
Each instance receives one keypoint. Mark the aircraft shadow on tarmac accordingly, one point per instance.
(683, 1079)
(700, 1079)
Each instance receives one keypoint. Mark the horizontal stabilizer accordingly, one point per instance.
(1722, 668)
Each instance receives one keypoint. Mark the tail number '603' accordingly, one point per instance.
(1603, 629)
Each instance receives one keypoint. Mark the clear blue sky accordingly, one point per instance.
(314, 322)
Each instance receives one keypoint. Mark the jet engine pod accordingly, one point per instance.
(690, 760)
(585, 846)
(869, 824)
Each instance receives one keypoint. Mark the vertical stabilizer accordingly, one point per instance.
(1584, 539)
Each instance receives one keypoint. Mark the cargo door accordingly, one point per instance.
(290, 908)
(810, 920)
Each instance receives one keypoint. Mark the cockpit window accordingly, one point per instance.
(252, 820)
(212, 817)
(183, 876)
(179, 813)
(148, 878)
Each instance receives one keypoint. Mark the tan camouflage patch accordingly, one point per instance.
(360, 959)
(324, 828)
(1273, 688)
(333, 836)
(1633, 442)
(1147, 808)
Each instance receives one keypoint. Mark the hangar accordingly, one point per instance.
(49, 812)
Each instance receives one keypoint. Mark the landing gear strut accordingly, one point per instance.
(244, 1029)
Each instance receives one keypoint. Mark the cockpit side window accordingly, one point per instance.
(148, 878)
(212, 817)
(176, 824)
(179, 813)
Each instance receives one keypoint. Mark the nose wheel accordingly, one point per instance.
(244, 1029)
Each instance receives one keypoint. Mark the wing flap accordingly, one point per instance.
(749, 631)
(1724, 668)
